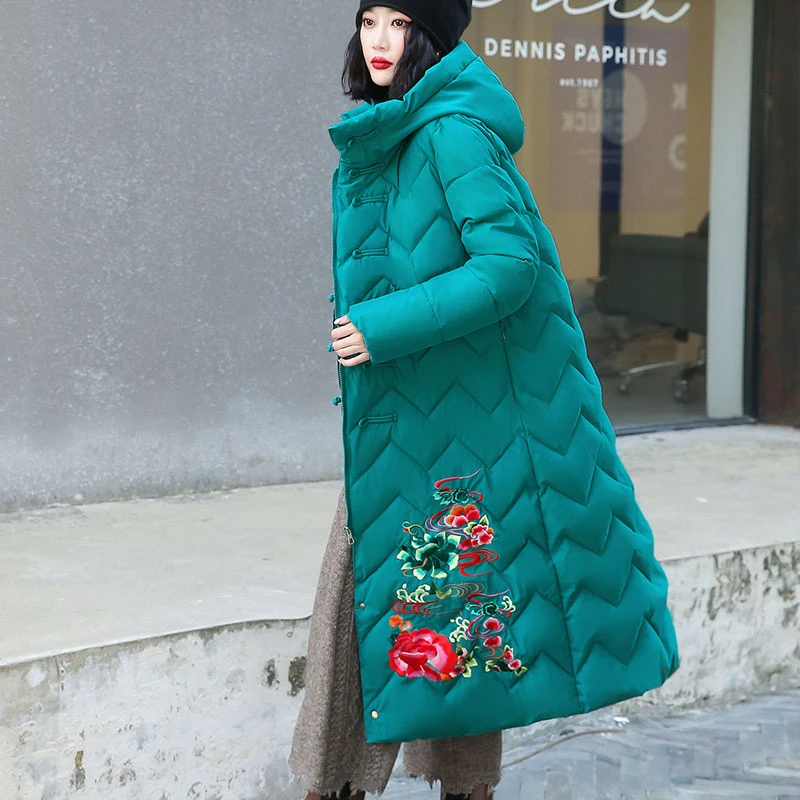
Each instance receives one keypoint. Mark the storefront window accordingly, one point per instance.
(617, 99)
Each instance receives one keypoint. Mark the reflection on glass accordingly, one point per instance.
(617, 103)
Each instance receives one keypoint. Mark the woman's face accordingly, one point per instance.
(383, 39)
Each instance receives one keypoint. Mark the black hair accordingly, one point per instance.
(418, 55)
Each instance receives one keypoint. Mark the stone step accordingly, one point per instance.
(156, 648)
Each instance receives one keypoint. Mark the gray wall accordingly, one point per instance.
(165, 245)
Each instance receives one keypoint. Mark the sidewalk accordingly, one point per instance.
(748, 751)
(199, 561)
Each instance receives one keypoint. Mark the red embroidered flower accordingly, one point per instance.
(514, 665)
(476, 533)
(482, 534)
(493, 641)
(423, 654)
(461, 515)
(508, 655)
(466, 543)
(492, 624)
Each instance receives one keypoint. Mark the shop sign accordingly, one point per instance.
(645, 11)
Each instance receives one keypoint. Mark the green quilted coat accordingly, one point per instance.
(504, 572)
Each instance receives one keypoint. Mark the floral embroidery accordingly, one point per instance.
(429, 552)
(451, 542)
(423, 654)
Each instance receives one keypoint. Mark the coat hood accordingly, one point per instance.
(460, 83)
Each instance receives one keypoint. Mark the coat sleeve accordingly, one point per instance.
(497, 234)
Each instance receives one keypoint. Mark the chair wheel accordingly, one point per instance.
(682, 391)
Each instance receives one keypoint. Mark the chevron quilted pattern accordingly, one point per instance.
(504, 572)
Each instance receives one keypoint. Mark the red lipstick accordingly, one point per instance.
(380, 63)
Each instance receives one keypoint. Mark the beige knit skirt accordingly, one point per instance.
(329, 747)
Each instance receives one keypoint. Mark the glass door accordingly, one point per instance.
(617, 99)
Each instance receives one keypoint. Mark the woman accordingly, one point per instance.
(488, 565)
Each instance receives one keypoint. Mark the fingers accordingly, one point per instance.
(355, 361)
(353, 340)
(349, 351)
(348, 343)
(345, 330)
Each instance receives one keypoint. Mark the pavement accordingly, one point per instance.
(746, 751)
(193, 562)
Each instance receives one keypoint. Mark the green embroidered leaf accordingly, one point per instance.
(443, 497)
(448, 497)
(434, 552)
(466, 660)
(441, 594)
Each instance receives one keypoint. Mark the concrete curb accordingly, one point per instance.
(210, 714)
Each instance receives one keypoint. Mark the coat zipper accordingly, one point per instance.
(336, 315)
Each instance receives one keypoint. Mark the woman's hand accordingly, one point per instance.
(348, 343)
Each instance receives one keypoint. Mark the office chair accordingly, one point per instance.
(662, 280)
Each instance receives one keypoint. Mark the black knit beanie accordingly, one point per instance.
(444, 20)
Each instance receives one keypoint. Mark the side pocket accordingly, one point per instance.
(377, 419)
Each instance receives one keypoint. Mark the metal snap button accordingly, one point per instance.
(374, 715)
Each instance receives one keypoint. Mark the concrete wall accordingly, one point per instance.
(211, 714)
(205, 715)
(164, 268)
